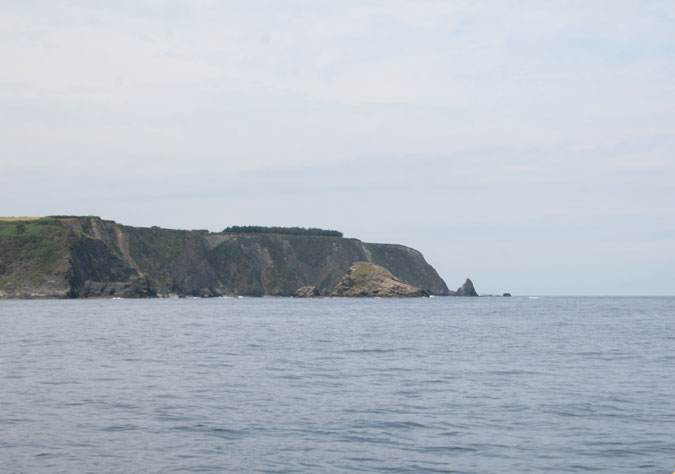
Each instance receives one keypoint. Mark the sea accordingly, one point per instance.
(284, 385)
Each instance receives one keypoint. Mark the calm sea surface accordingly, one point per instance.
(470, 385)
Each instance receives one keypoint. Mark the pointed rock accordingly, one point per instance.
(466, 289)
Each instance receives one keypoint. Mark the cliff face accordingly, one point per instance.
(88, 256)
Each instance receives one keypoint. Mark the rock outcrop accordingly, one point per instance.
(307, 292)
(368, 280)
(466, 289)
(60, 257)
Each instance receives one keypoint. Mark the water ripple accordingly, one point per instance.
(569, 385)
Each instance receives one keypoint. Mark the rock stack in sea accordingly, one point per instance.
(466, 289)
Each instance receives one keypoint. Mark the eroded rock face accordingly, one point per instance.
(369, 280)
(307, 292)
(466, 289)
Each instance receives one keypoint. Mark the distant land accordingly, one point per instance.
(86, 256)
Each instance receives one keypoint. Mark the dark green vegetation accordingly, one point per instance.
(256, 229)
(86, 256)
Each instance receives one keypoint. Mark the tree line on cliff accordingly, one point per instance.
(257, 229)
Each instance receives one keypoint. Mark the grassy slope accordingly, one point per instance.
(154, 246)
(32, 250)
(364, 270)
(398, 259)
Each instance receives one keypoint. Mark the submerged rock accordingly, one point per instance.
(466, 289)
(367, 280)
(307, 292)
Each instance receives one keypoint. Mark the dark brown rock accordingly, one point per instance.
(466, 289)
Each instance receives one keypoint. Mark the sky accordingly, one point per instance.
(527, 145)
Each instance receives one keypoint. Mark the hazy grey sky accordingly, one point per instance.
(528, 145)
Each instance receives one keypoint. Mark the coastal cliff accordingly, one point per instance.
(61, 257)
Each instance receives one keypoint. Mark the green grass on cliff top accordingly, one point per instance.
(14, 219)
(33, 247)
(34, 228)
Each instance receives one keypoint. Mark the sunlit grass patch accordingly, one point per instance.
(14, 219)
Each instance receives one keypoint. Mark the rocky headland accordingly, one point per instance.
(74, 256)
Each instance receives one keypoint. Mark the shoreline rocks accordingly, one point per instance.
(307, 292)
(369, 280)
